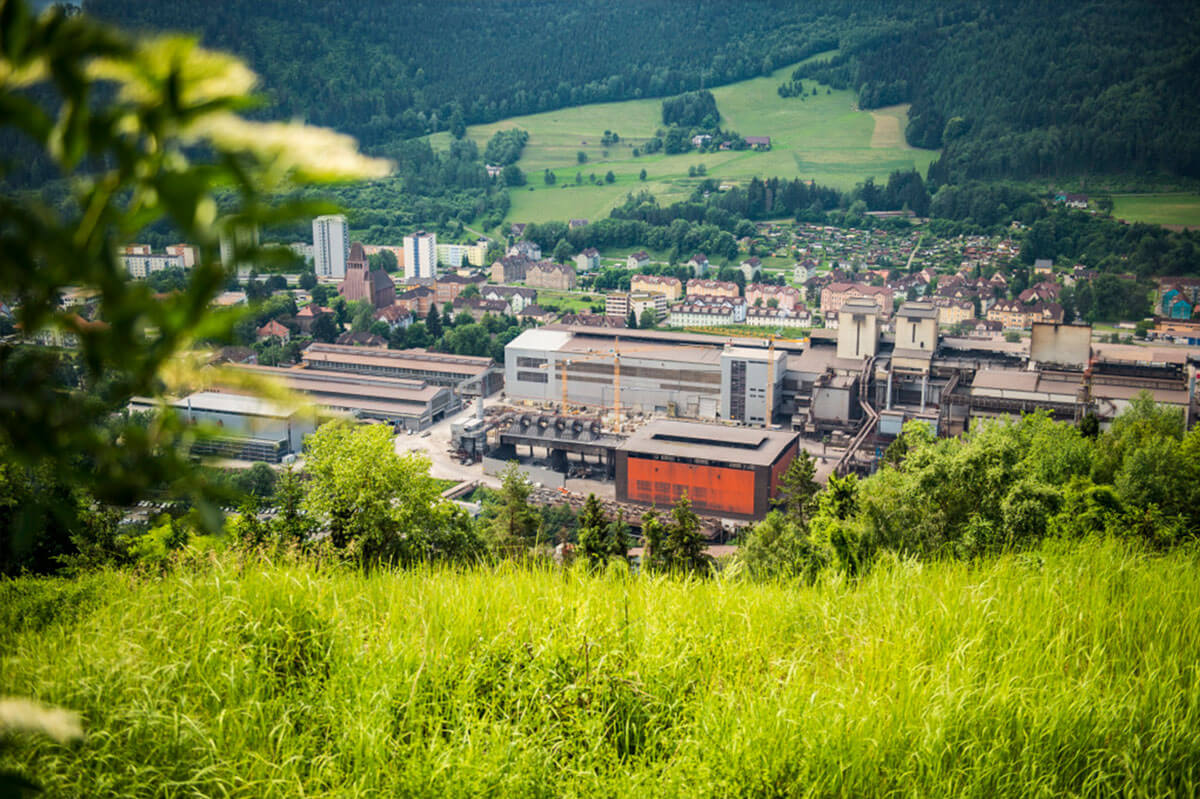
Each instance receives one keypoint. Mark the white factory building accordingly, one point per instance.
(679, 379)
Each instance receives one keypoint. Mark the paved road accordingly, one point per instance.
(435, 446)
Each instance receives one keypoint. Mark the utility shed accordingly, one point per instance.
(725, 471)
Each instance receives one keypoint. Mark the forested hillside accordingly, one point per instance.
(1010, 90)
(1035, 89)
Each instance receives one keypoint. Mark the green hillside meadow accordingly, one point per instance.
(822, 137)
(1176, 209)
(1059, 673)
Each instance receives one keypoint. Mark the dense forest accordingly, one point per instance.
(1035, 89)
(1016, 90)
(389, 69)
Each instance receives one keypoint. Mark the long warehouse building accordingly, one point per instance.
(468, 375)
(678, 378)
(414, 404)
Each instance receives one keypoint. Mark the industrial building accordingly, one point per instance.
(725, 471)
(251, 428)
(656, 375)
(411, 404)
(854, 386)
(467, 375)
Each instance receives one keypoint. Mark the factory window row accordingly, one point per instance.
(533, 377)
(530, 363)
(650, 372)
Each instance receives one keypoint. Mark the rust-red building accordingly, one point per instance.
(726, 471)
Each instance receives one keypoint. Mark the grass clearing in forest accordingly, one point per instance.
(822, 137)
(1171, 209)
(1068, 671)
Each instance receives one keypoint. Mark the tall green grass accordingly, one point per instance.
(1060, 673)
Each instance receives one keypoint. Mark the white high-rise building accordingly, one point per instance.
(331, 245)
(420, 255)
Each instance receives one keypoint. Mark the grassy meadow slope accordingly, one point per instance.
(1174, 209)
(1052, 673)
(822, 137)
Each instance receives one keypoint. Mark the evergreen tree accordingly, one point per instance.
(655, 555)
(684, 541)
(797, 488)
(323, 329)
(290, 525)
(616, 539)
(433, 323)
(631, 321)
(592, 530)
(514, 526)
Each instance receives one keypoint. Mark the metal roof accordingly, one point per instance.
(710, 442)
(214, 402)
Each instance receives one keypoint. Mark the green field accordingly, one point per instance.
(822, 138)
(1054, 673)
(1180, 209)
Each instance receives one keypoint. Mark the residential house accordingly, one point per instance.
(835, 295)
(526, 249)
(396, 316)
(1016, 315)
(536, 313)
(1072, 200)
(750, 268)
(418, 299)
(361, 339)
(700, 140)
(576, 223)
(619, 303)
(478, 307)
(669, 287)
(510, 269)
(308, 316)
(785, 298)
(708, 312)
(516, 297)
(517, 229)
(592, 320)
(1174, 304)
(758, 142)
(952, 312)
(712, 288)
(699, 265)
(587, 260)
(1043, 266)
(637, 260)
(274, 329)
(778, 317)
(448, 287)
(549, 275)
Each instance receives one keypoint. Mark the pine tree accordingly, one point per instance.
(616, 540)
(684, 540)
(514, 527)
(592, 530)
(655, 555)
(433, 323)
(631, 320)
(797, 488)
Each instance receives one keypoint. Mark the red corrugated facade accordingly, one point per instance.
(715, 488)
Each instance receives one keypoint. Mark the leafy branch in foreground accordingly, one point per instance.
(144, 131)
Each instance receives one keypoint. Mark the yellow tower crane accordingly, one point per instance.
(615, 354)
